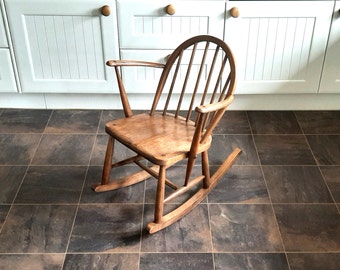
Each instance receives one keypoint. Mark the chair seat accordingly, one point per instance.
(162, 139)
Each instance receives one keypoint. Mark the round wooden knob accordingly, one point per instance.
(234, 12)
(170, 9)
(106, 10)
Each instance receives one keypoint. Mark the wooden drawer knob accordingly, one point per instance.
(234, 12)
(106, 10)
(170, 9)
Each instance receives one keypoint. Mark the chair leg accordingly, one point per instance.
(159, 204)
(108, 161)
(205, 169)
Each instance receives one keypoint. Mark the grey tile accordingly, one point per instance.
(107, 228)
(273, 122)
(131, 194)
(37, 229)
(223, 145)
(332, 178)
(73, 121)
(102, 261)
(241, 184)
(68, 149)
(283, 150)
(233, 122)
(309, 227)
(314, 261)
(10, 180)
(24, 121)
(319, 122)
(325, 148)
(17, 149)
(296, 184)
(3, 213)
(31, 261)
(250, 261)
(170, 261)
(51, 185)
(189, 234)
(244, 228)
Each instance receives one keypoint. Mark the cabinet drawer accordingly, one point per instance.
(7, 80)
(3, 39)
(146, 24)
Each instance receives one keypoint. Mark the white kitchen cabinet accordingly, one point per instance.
(7, 78)
(278, 45)
(330, 79)
(147, 32)
(147, 25)
(61, 46)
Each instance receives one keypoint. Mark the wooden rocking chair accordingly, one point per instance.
(197, 84)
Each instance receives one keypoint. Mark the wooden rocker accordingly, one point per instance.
(195, 88)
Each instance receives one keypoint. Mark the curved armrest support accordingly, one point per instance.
(121, 63)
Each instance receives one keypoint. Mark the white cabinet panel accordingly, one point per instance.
(278, 45)
(3, 38)
(146, 24)
(7, 80)
(330, 80)
(61, 46)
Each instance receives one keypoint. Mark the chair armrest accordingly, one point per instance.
(120, 63)
(215, 106)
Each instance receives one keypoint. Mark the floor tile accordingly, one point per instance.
(325, 148)
(24, 121)
(332, 178)
(10, 180)
(3, 213)
(37, 229)
(32, 261)
(131, 194)
(250, 261)
(73, 121)
(233, 122)
(64, 150)
(223, 145)
(296, 184)
(241, 184)
(319, 122)
(189, 234)
(52, 185)
(243, 227)
(314, 261)
(102, 261)
(107, 228)
(309, 227)
(273, 122)
(17, 149)
(170, 261)
(287, 150)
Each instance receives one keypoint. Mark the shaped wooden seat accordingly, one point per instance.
(194, 90)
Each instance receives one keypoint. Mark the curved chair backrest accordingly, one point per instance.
(200, 71)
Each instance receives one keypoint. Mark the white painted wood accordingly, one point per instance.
(7, 80)
(330, 80)
(61, 46)
(146, 25)
(279, 46)
(3, 38)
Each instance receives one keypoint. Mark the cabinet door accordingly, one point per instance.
(330, 80)
(146, 24)
(7, 80)
(278, 45)
(61, 46)
(3, 39)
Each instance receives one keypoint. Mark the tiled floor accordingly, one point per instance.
(277, 208)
